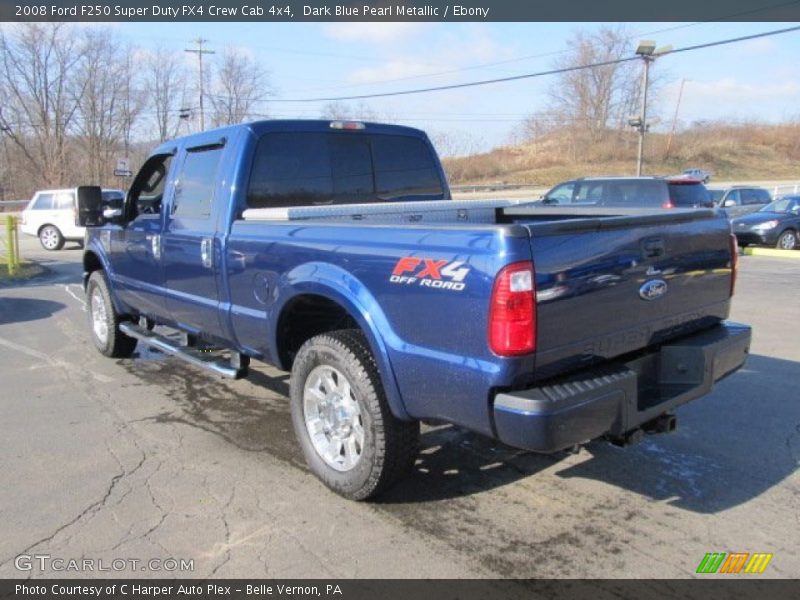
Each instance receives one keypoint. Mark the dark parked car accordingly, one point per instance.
(632, 192)
(740, 200)
(777, 224)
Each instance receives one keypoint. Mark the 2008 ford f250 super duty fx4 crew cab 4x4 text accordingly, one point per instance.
(333, 250)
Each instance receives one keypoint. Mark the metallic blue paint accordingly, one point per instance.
(430, 344)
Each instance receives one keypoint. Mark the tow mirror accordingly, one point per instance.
(90, 206)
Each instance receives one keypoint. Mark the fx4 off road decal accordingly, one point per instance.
(429, 272)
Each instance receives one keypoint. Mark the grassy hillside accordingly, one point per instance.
(742, 152)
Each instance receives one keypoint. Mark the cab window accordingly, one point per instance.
(147, 191)
(194, 188)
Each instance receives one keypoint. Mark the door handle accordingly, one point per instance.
(207, 252)
(155, 245)
(653, 248)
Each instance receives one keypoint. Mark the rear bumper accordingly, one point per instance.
(619, 397)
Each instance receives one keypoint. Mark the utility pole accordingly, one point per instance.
(200, 51)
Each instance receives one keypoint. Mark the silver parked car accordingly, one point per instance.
(740, 200)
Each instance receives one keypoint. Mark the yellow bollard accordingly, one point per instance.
(10, 246)
(17, 255)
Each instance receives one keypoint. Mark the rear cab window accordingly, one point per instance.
(688, 194)
(318, 168)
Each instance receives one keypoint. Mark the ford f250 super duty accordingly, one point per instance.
(334, 250)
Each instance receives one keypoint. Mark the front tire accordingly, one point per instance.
(350, 439)
(50, 238)
(787, 240)
(104, 320)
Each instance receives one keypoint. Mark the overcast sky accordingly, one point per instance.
(758, 79)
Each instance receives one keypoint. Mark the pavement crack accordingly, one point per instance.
(89, 511)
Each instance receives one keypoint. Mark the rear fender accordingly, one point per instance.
(339, 286)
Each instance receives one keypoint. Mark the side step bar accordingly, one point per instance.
(236, 368)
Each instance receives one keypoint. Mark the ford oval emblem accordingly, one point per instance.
(653, 289)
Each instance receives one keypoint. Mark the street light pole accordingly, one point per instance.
(643, 114)
(647, 50)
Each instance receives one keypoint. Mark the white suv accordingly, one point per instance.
(52, 216)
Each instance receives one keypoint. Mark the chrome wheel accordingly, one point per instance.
(333, 418)
(50, 238)
(99, 316)
(787, 241)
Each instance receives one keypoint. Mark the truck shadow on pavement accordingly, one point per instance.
(21, 310)
(730, 447)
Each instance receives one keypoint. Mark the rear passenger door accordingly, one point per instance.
(190, 243)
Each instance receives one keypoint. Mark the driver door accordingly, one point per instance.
(136, 247)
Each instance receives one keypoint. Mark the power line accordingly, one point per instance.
(538, 74)
(546, 54)
(501, 62)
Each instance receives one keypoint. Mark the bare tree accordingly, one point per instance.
(103, 95)
(596, 98)
(132, 98)
(456, 143)
(338, 110)
(165, 86)
(39, 107)
(239, 85)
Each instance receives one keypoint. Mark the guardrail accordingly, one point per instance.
(11, 243)
(492, 187)
(13, 205)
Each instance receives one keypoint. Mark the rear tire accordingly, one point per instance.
(50, 238)
(104, 320)
(787, 240)
(350, 439)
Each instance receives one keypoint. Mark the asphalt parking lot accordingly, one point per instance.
(149, 459)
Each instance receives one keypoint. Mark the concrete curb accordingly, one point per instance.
(774, 252)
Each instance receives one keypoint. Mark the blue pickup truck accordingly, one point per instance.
(333, 250)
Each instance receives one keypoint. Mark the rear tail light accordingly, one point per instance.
(512, 311)
(668, 204)
(734, 261)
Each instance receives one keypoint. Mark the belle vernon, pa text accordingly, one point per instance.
(156, 591)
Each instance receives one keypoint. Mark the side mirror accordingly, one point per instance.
(729, 202)
(90, 206)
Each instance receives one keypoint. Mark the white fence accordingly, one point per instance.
(785, 189)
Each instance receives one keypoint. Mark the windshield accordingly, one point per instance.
(716, 195)
(782, 205)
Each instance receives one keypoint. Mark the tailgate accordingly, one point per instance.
(612, 282)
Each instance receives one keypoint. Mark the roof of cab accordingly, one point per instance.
(291, 125)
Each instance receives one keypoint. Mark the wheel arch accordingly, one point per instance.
(329, 300)
(43, 225)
